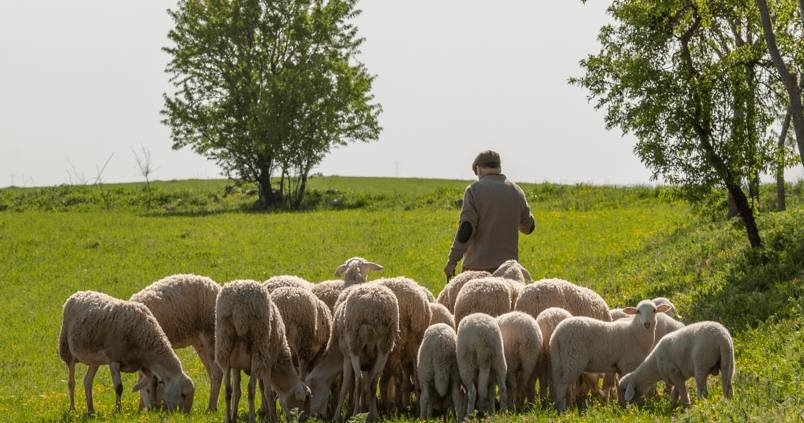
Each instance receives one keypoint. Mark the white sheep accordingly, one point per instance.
(489, 295)
(98, 329)
(398, 382)
(547, 320)
(449, 293)
(307, 323)
(438, 372)
(697, 350)
(281, 281)
(522, 344)
(481, 362)
(250, 336)
(512, 269)
(440, 314)
(365, 330)
(583, 344)
(578, 300)
(184, 306)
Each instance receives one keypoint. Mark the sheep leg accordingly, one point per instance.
(513, 387)
(71, 383)
(114, 369)
(373, 377)
(252, 382)
(471, 398)
(347, 377)
(700, 383)
(206, 352)
(681, 387)
(227, 394)
(499, 373)
(359, 384)
(543, 372)
(457, 401)
(90, 376)
(425, 409)
(235, 392)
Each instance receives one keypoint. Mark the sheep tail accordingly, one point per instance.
(483, 380)
(726, 366)
(441, 378)
(367, 334)
(241, 320)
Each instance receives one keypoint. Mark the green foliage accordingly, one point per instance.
(268, 87)
(626, 243)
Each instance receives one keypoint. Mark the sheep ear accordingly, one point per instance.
(528, 277)
(339, 271)
(630, 310)
(365, 267)
(630, 392)
(662, 308)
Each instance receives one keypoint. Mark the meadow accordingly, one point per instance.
(627, 243)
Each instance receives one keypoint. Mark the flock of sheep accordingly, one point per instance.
(301, 341)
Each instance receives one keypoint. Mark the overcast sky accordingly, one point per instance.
(83, 80)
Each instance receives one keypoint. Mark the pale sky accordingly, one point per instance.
(83, 80)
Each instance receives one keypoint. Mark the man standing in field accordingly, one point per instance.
(494, 211)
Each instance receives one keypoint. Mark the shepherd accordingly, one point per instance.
(494, 211)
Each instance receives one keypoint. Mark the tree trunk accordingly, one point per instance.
(266, 193)
(746, 213)
(789, 81)
(301, 189)
(780, 165)
(732, 206)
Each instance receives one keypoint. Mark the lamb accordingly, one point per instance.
(547, 320)
(583, 344)
(280, 281)
(664, 322)
(449, 294)
(184, 306)
(617, 313)
(577, 300)
(489, 295)
(365, 330)
(697, 350)
(250, 336)
(438, 372)
(414, 318)
(522, 344)
(98, 329)
(481, 362)
(440, 314)
(307, 324)
(354, 270)
(511, 269)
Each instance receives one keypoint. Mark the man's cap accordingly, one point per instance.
(486, 158)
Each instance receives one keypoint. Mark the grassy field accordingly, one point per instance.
(626, 243)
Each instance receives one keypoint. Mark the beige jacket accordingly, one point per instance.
(497, 210)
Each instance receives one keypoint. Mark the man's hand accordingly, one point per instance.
(449, 269)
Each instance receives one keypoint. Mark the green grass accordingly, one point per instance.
(626, 243)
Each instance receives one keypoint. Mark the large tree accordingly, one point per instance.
(268, 87)
(689, 80)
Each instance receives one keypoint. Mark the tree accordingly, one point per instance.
(788, 77)
(268, 87)
(688, 79)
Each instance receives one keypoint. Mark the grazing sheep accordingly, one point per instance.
(280, 281)
(489, 295)
(522, 344)
(512, 269)
(304, 315)
(697, 350)
(365, 330)
(577, 300)
(399, 380)
(583, 344)
(440, 314)
(449, 294)
(98, 329)
(438, 372)
(481, 362)
(184, 306)
(250, 336)
(547, 320)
